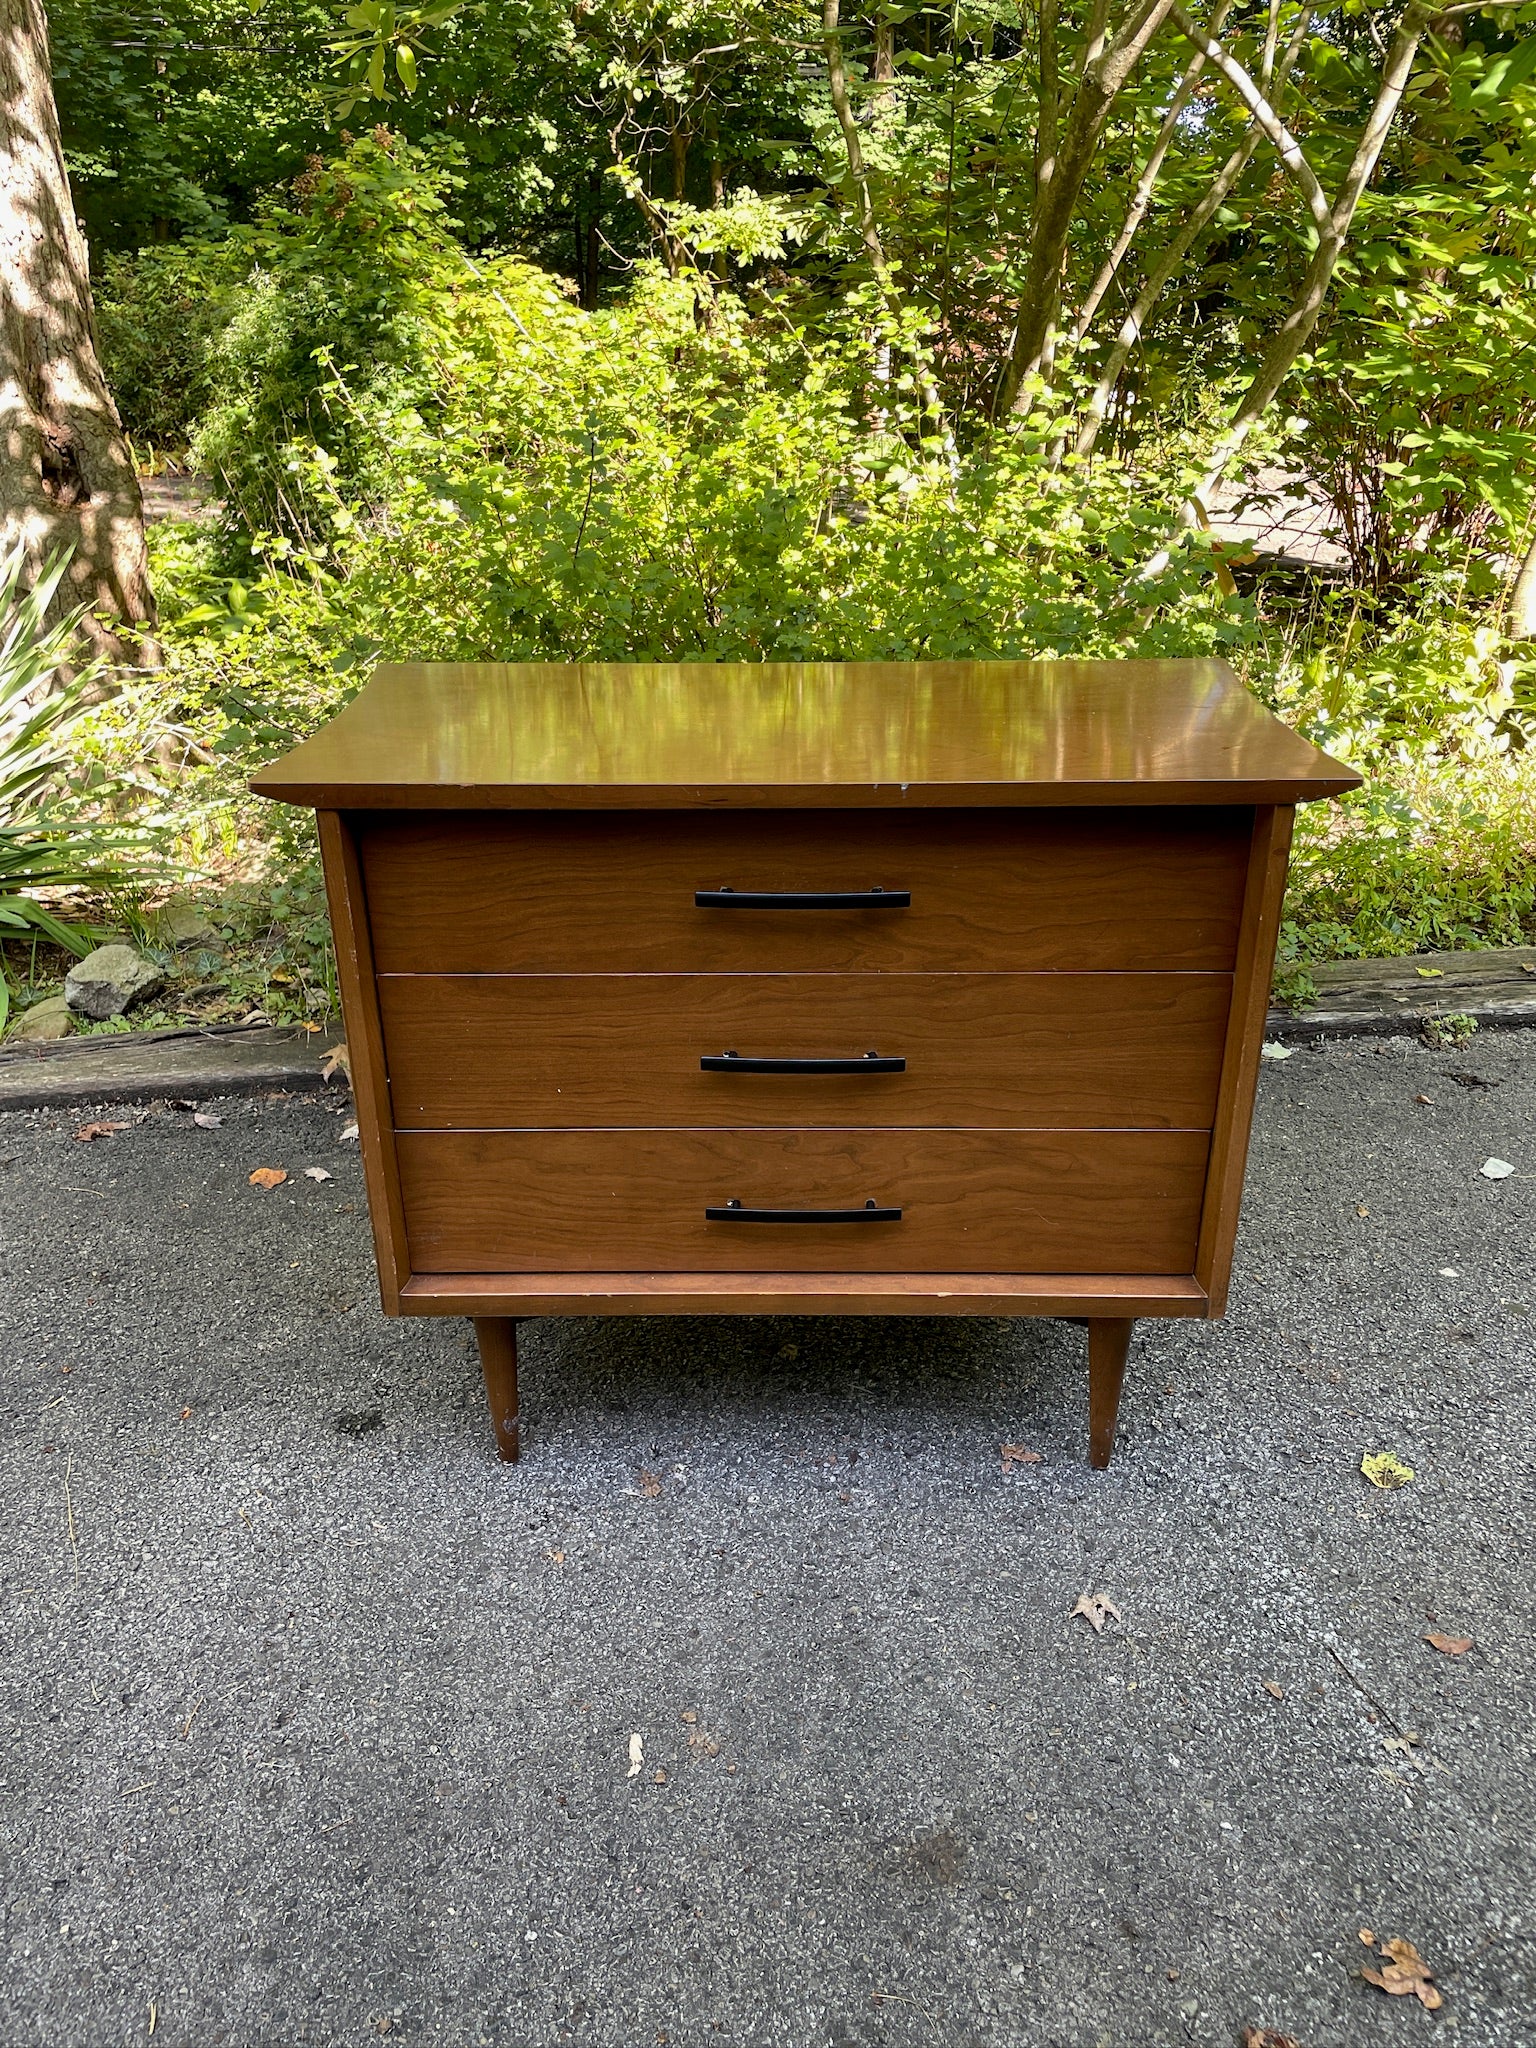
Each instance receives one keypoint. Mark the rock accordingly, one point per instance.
(109, 981)
(47, 1019)
(183, 924)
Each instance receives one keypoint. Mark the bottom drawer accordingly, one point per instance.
(970, 1201)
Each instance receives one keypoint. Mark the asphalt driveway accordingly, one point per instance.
(317, 1725)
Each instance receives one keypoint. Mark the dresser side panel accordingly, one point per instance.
(347, 898)
(1263, 902)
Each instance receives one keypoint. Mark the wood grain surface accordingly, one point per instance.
(809, 1294)
(1263, 905)
(1128, 1051)
(972, 1201)
(370, 1081)
(854, 734)
(598, 893)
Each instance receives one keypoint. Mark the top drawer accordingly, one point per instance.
(613, 892)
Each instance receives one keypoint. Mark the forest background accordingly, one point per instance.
(593, 329)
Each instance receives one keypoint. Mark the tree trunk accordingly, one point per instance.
(66, 476)
(1522, 597)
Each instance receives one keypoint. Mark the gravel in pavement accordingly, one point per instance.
(318, 1726)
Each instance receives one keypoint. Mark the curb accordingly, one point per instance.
(1397, 998)
(1356, 999)
(144, 1066)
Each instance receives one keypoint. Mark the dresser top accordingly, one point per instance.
(620, 735)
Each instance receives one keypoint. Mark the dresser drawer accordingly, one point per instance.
(634, 1201)
(556, 893)
(1129, 1051)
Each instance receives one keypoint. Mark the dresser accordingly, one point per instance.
(890, 988)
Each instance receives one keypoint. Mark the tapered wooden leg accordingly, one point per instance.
(497, 1338)
(1109, 1339)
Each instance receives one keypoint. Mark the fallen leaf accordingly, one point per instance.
(185, 1413)
(555, 1556)
(268, 1177)
(1276, 1692)
(650, 1485)
(1491, 1169)
(1361, 1209)
(1368, 1936)
(636, 1755)
(1266, 2037)
(1404, 1974)
(88, 1131)
(1017, 1454)
(1430, 973)
(316, 1173)
(206, 1120)
(1386, 1471)
(1095, 1608)
(1452, 1646)
(1270, 1050)
(1526, 967)
(337, 1058)
(1425, 1098)
(348, 1131)
(702, 1744)
(660, 1778)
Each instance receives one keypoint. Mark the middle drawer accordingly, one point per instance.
(1129, 1051)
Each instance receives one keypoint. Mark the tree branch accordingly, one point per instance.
(1146, 185)
(1104, 78)
(1296, 329)
(1177, 249)
(869, 227)
(1287, 148)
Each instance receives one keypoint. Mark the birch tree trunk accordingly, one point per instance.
(1522, 597)
(66, 476)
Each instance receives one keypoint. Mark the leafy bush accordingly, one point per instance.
(157, 314)
(38, 707)
(475, 467)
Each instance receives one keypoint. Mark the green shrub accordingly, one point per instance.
(157, 315)
(40, 700)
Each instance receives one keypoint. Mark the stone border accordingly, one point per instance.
(1356, 999)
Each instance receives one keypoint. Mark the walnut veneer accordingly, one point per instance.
(887, 988)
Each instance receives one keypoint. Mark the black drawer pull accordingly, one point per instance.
(733, 1212)
(733, 1063)
(802, 899)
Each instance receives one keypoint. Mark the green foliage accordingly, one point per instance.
(157, 315)
(1438, 850)
(328, 348)
(38, 707)
(474, 466)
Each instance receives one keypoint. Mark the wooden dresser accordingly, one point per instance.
(899, 988)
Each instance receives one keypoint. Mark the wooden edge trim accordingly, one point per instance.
(1259, 933)
(365, 1049)
(797, 796)
(766, 1294)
